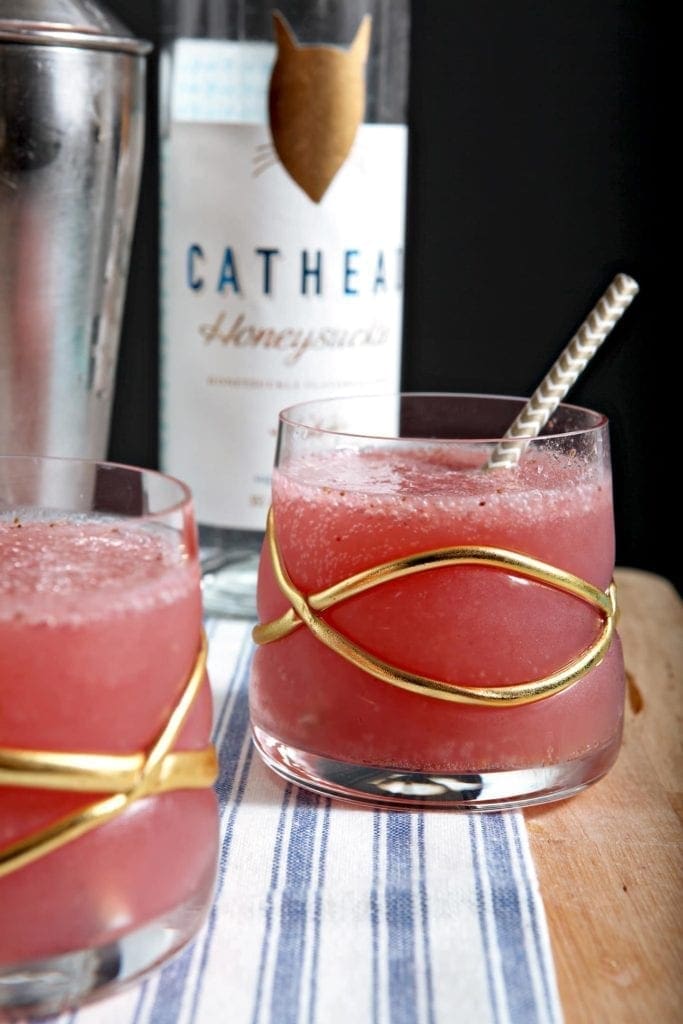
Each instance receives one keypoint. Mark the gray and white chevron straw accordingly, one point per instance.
(564, 372)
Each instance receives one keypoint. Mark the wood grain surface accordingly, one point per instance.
(610, 860)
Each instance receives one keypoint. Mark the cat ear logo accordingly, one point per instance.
(316, 103)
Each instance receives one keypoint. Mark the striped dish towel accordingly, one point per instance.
(328, 914)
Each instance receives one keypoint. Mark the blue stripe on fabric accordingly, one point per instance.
(140, 1002)
(424, 916)
(317, 911)
(509, 926)
(486, 937)
(233, 723)
(286, 991)
(230, 753)
(533, 917)
(374, 915)
(270, 899)
(232, 740)
(400, 920)
(169, 994)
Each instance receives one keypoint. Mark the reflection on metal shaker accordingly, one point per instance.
(71, 137)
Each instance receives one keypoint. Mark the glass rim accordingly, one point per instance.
(185, 501)
(288, 418)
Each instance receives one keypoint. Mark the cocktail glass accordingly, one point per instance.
(433, 631)
(108, 819)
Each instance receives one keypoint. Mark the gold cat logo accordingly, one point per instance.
(316, 102)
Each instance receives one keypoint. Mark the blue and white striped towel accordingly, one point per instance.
(327, 914)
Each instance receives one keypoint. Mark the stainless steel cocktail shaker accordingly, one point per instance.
(71, 139)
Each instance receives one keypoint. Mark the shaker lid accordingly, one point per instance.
(81, 23)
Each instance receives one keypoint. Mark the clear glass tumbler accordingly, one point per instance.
(433, 631)
(108, 819)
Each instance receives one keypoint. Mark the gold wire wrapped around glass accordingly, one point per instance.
(303, 611)
(127, 777)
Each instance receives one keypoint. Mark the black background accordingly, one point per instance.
(537, 142)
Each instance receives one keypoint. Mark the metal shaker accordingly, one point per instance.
(71, 139)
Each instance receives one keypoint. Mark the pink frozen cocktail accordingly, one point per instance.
(100, 631)
(345, 502)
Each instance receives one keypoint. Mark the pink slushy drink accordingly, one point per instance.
(342, 511)
(100, 622)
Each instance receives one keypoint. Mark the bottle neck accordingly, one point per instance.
(331, 22)
(312, 22)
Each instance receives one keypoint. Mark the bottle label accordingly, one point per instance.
(270, 297)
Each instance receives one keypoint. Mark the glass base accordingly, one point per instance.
(229, 561)
(404, 790)
(40, 988)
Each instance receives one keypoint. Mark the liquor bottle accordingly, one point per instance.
(284, 151)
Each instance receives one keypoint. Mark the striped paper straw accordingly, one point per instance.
(564, 372)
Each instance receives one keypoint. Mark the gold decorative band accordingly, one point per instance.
(128, 777)
(304, 611)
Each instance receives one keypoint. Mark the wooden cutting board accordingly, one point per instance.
(610, 860)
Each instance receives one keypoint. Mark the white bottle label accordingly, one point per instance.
(270, 299)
